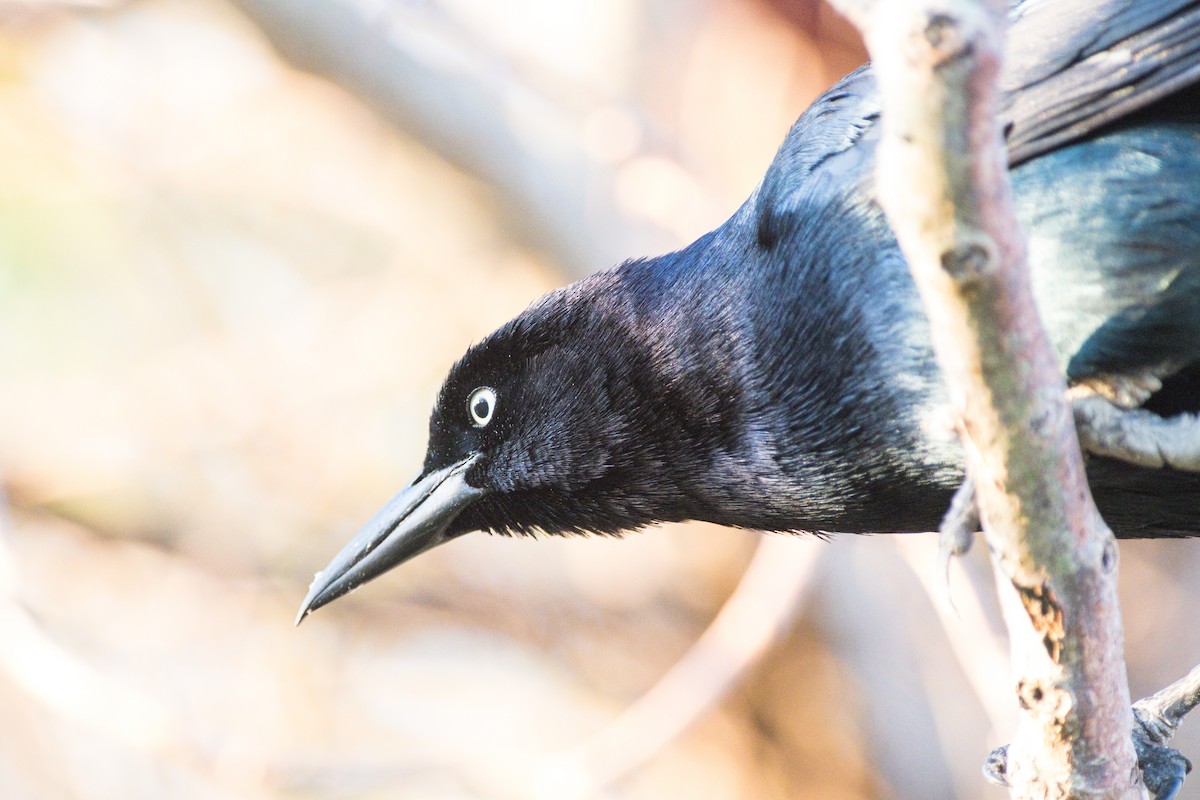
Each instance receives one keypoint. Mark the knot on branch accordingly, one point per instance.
(970, 259)
(1048, 699)
(1045, 612)
(1108, 558)
(944, 34)
(945, 38)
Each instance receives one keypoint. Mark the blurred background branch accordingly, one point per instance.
(548, 142)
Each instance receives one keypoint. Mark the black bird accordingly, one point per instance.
(777, 372)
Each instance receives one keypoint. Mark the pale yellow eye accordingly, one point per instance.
(481, 405)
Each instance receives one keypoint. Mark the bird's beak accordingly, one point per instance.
(412, 522)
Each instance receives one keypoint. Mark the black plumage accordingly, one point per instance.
(777, 373)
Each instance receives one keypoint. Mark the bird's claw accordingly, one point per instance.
(1163, 768)
(1136, 435)
(995, 768)
(957, 531)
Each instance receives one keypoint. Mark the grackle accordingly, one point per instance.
(777, 373)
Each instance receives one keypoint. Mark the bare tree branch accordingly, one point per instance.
(943, 184)
(1162, 712)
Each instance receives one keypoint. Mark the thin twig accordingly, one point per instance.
(970, 630)
(754, 617)
(1161, 713)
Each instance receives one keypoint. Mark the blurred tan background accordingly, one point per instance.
(240, 243)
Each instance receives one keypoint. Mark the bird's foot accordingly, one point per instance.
(1163, 768)
(1141, 437)
(1156, 718)
(957, 531)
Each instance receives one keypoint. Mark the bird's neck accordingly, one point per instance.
(799, 381)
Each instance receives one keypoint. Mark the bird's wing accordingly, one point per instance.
(830, 148)
(1073, 66)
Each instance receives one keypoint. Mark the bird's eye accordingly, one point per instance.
(481, 405)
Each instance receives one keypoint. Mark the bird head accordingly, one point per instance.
(541, 427)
